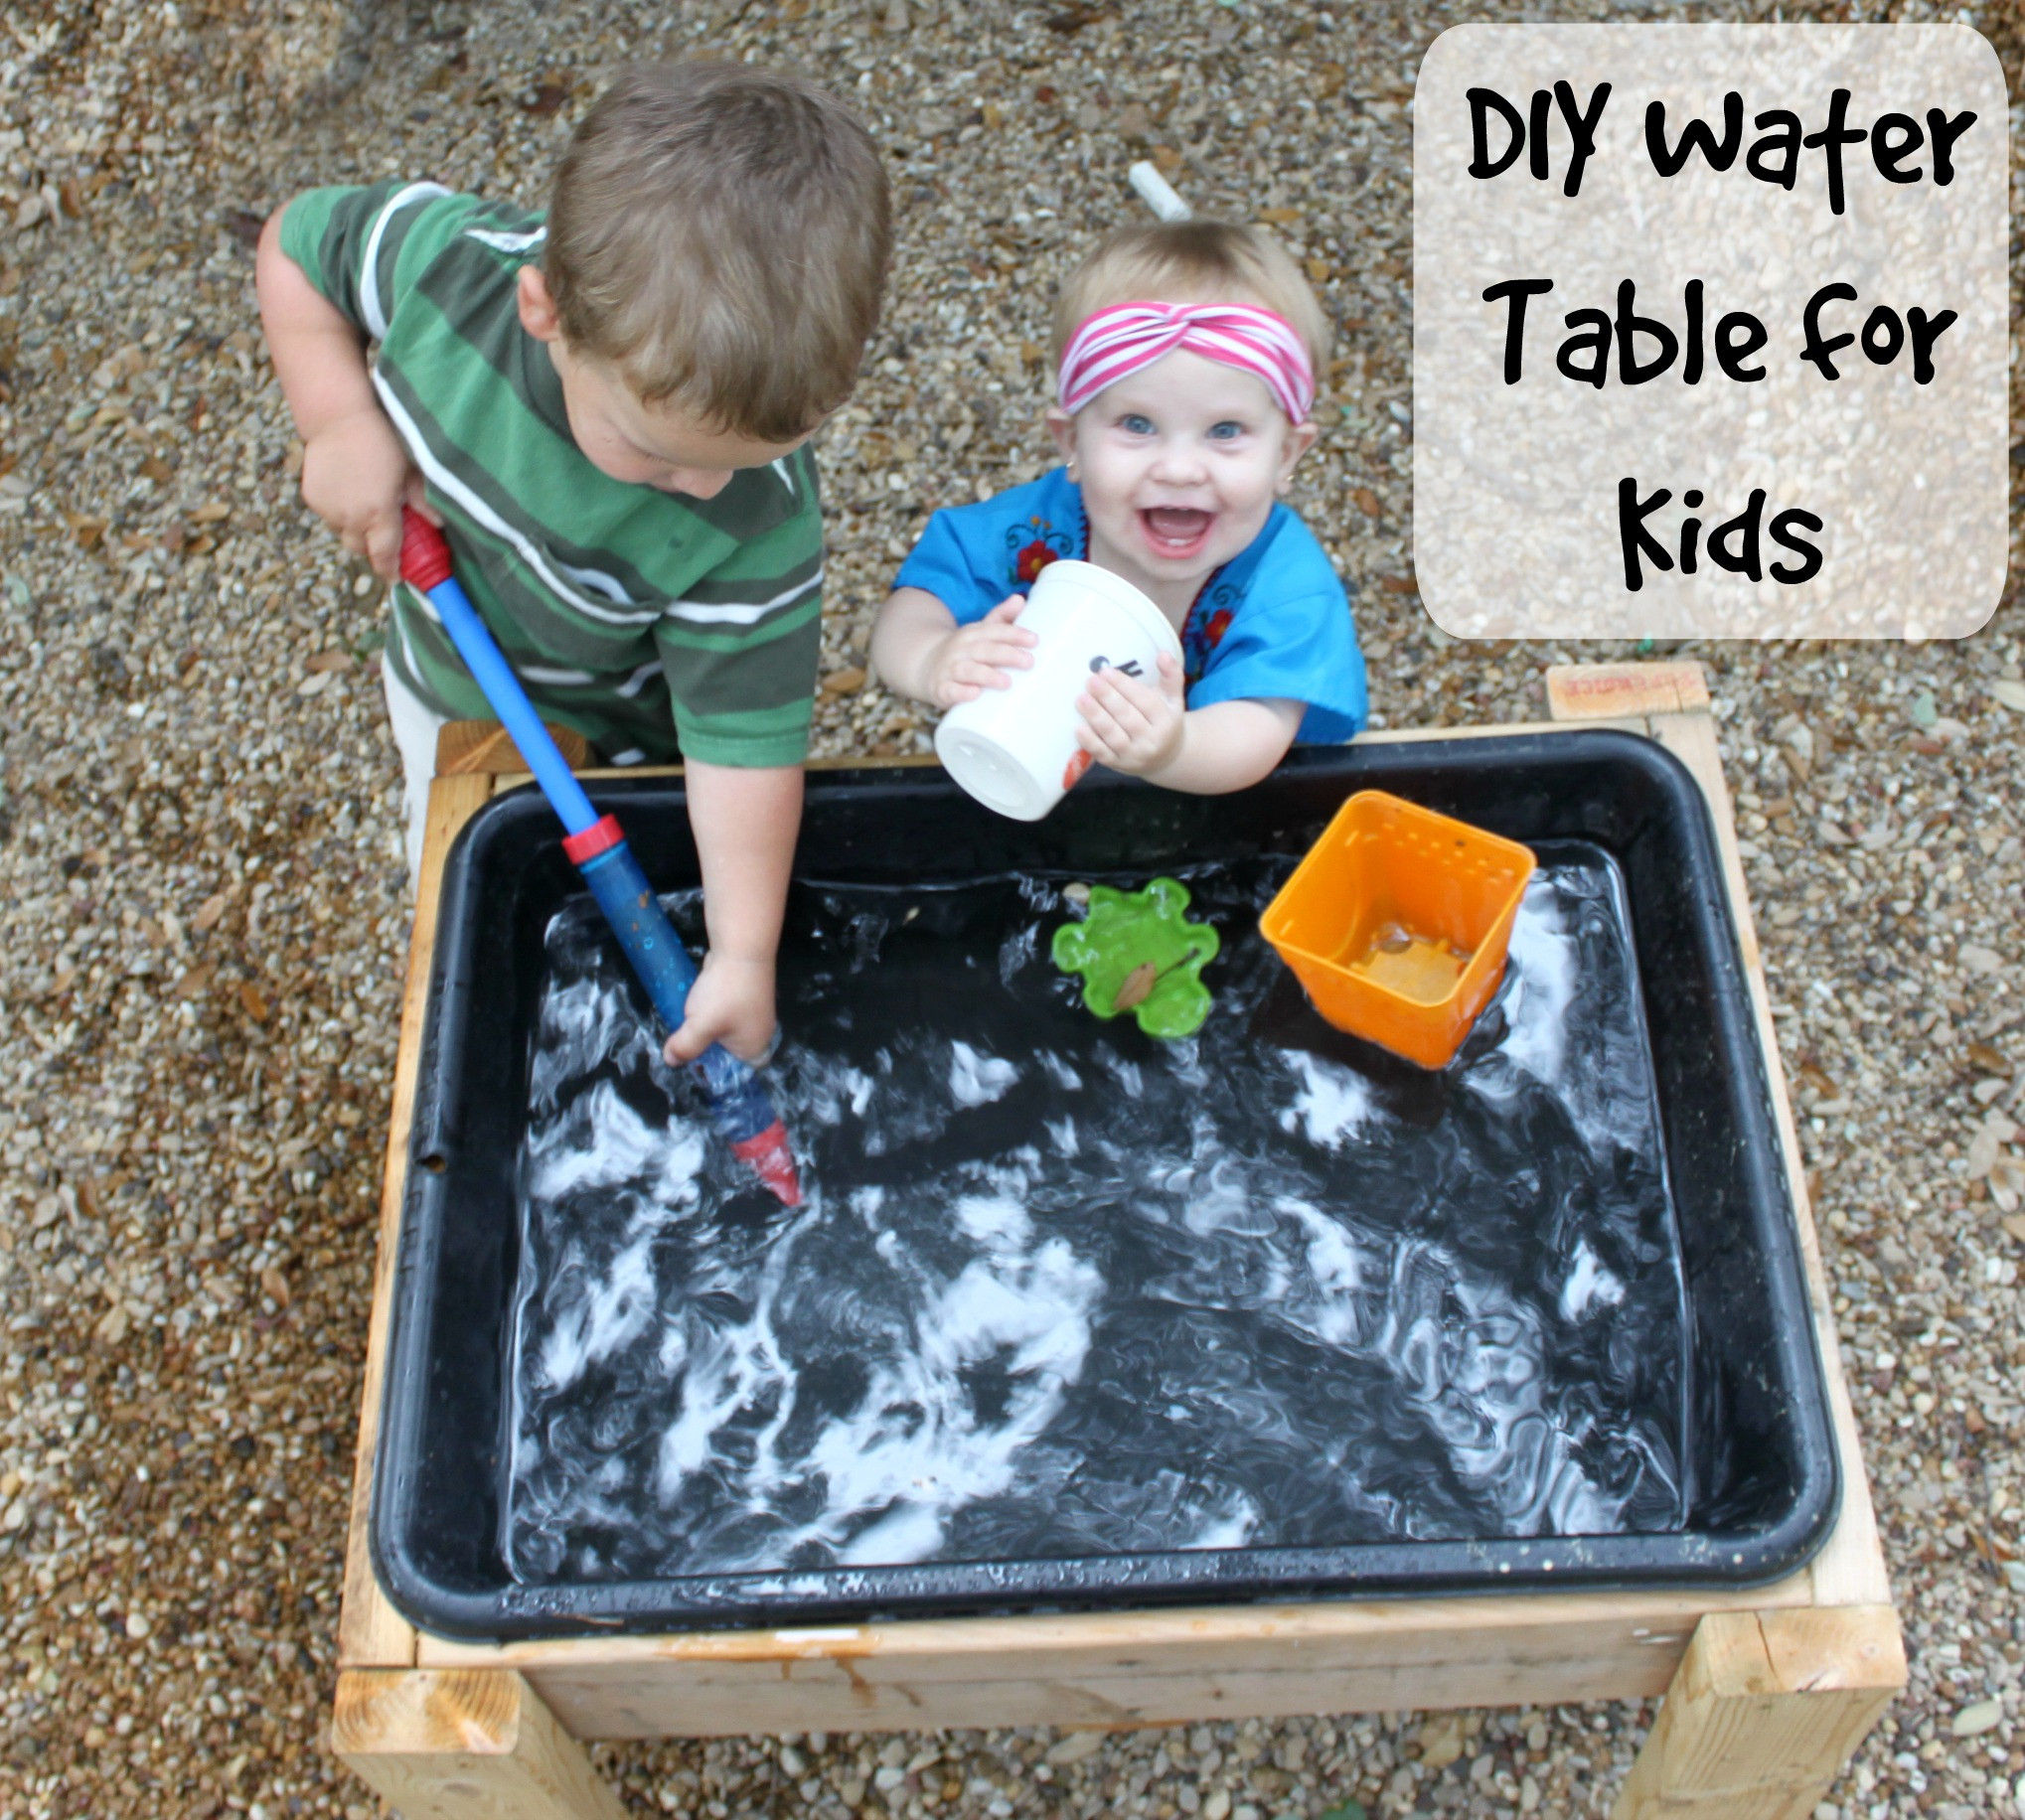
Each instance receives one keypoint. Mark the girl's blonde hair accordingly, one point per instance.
(1193, 261)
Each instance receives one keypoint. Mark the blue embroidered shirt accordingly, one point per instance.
(1274, 621)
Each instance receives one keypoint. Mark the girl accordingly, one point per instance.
(1185, 358)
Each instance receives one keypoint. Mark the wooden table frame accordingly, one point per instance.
(1769, 1689)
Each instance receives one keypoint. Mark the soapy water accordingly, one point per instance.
(1062, 1290)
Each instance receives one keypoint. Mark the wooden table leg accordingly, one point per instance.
(464, 1745)
(1763, 1711)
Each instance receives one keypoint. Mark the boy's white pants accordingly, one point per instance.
(415, 732)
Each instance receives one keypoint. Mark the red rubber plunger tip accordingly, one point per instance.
(773, 1162)
(424, 551)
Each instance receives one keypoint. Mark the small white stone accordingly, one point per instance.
(1074, 1748)
(1983, 1715)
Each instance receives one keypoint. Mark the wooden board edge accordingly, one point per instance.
(1764, 1715)
(486, 746)
(464, 1743)
(1122, 1695)
(1590, 692)
(1654, 1619)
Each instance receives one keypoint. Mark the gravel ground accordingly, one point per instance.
(204, 894)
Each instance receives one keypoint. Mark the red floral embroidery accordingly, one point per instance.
(1219, 624)
(1033, 558)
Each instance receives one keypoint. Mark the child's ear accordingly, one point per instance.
(1300, 439)
(538, 308)
(1063, 427)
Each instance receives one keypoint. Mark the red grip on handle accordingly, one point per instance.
(424, 551)
(600, 837)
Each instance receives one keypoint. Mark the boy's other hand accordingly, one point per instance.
(731, 1003)
(1130, 724)
(975, 657)
(356, 477)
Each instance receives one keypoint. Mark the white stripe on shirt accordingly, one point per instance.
(368, 267)
(507, 242)
(530, 552)
(698, 612)
(536, 673)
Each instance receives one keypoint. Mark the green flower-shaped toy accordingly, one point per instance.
(1137, 953)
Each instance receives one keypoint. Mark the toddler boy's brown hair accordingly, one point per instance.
(719, 236)
(1194, 262)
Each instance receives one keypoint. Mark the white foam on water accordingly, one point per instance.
(1330, 1103)
(1337, 1270)
(1545, 962)
(833, 1098)
(603, 1143)
(954, 1318)
(1543, 954)
(1059, 1071)
(1589, 1284)
(612, 1313)
(914, 1450)
(1480, 1385)
(996, 1220)
(729, 1369)
(1220, 1196)
(583, 1023)
(1231, 1528)
(911, 1533)
(977, 1080)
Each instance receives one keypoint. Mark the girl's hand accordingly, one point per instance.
(356, 476)
(975, 657)
(1132, 725)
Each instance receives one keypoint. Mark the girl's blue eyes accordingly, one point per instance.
(1133, 424)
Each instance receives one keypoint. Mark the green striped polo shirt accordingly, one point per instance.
(648, 620)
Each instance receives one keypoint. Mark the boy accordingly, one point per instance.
(607, 413)
(1185, 358)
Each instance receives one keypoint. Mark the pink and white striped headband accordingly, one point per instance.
(1118, 342)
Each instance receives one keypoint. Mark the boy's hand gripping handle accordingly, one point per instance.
(739, 1106)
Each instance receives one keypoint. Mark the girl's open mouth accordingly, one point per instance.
(1175, 530)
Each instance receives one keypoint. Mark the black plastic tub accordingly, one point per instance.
(1756, 1477)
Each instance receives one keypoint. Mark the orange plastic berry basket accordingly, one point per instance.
(1397, 923)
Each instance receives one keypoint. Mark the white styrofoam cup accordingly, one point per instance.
(1014, 749)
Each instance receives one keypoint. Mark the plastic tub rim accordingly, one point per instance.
(1492, 1567)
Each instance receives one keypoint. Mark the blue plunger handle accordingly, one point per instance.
(425, 563)
(739, 1106)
